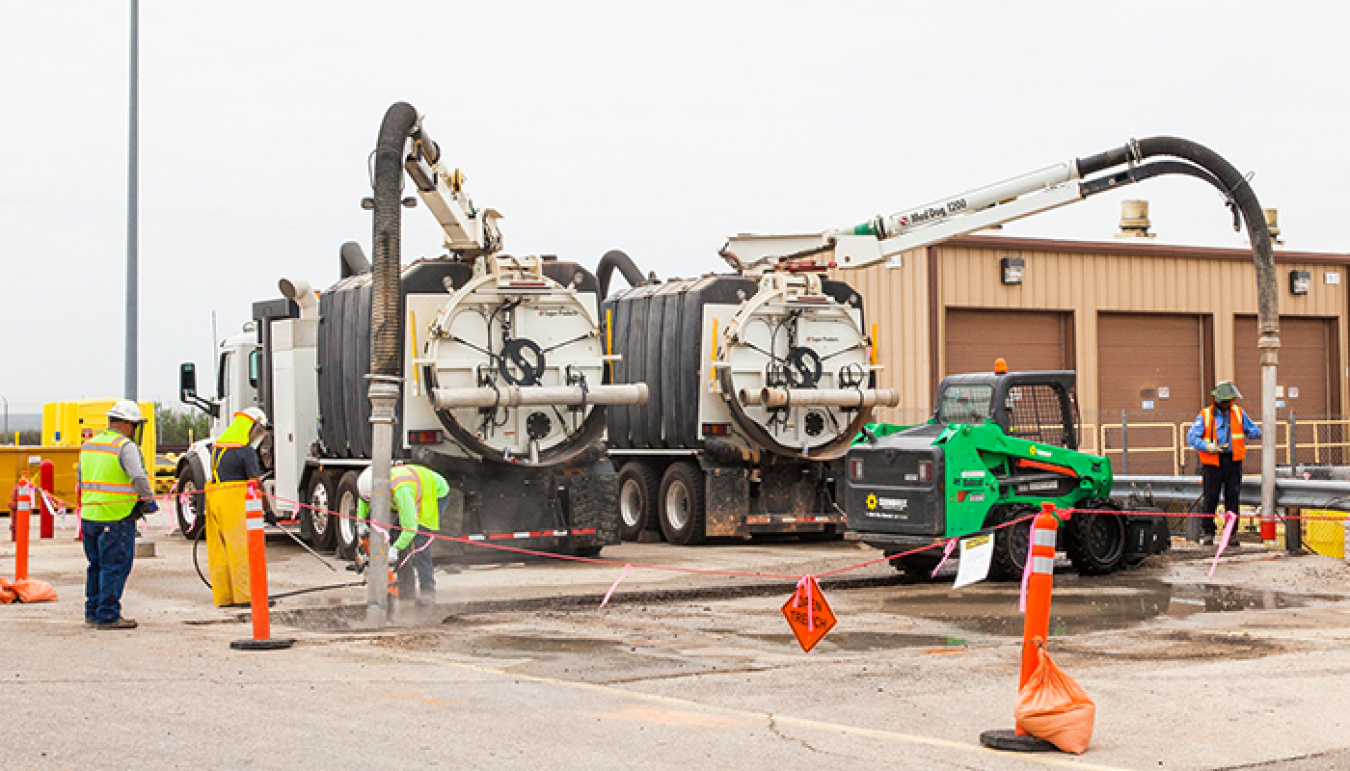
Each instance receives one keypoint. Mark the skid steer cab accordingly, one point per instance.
(997, 446)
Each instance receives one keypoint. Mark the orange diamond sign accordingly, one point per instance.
(808, 613)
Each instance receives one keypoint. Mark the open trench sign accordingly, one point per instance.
(809, 614)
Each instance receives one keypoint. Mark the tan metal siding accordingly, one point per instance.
(1083, 279)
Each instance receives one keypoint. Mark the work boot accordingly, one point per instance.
(1207, 539)
(1234, 543)
(121, 623)
(90, 622)
(426, 599)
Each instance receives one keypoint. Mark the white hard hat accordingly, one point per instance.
(126, 410)
(256, 414)
(365, 483)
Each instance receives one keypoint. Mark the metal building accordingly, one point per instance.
(1150, 328)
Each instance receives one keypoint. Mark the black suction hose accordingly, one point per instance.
(386, 318)
(1218, 172)
(617, 259)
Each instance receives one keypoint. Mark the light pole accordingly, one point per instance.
(6, 415)
(132, 331)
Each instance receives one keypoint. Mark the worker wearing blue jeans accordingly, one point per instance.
(114, 492)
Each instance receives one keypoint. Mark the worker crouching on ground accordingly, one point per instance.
(114, 492)
(416, 493)
(1221, 452)
(234, 465)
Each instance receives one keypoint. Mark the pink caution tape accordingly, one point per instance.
(946, 552)
(1026, 571)
(627, 567)
(1230, 519)
(805, 583)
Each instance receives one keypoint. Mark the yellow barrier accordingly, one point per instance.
(1325, 536)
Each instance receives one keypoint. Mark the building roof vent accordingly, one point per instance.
(1273, 225)
(1134, 221)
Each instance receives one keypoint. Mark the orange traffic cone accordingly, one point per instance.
(257, 578)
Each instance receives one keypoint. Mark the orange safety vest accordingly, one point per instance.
(1237, 435)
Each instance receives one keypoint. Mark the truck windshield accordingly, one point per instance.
(965, 403)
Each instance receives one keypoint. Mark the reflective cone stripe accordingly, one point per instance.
(257, 564)
(24, 506)
(1043, 533)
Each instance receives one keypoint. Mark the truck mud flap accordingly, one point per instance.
(726, 500)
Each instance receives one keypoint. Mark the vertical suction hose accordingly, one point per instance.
(386, 331)
(385, 318)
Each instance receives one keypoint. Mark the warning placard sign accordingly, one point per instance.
(808, 614)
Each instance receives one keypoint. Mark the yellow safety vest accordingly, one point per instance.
(428, 508)
(106, 494)
(1237, 435)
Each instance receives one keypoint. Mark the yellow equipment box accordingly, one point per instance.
(27, 460)
(72, 423)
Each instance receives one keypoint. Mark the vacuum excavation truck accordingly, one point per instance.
(502, 381)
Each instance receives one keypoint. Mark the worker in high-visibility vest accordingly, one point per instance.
(416, 494)
(234, 464)
(1221, 450)
(114, 492)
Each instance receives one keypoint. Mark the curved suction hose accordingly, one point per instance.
(1234, 186)
(617, 259)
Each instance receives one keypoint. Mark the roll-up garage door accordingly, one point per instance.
(1153, 368)
(1309, 363)
(1027, 340)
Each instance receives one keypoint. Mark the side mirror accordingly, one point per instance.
(187, 382)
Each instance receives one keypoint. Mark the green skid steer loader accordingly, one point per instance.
(998, 445)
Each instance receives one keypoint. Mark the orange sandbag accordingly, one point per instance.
(1051, 706)
(29, 590)
(7, 594)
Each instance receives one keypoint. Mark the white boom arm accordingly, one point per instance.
(468, 231)
(885, 237)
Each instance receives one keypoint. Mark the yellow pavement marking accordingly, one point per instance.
(820, 725)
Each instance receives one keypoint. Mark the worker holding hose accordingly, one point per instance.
(234, 465)
(417, 492)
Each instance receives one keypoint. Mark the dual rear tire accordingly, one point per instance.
(674, 502)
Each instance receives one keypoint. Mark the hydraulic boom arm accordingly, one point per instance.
(468, 231)
(886, 236)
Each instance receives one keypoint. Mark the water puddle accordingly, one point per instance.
(870, 641)
(1091, 607)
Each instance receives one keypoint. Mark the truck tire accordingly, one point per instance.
(1096, 542)
(190, 509)
(638, 487)
(346, 528)
(680, 504)
(1011, 543)
(320, 499)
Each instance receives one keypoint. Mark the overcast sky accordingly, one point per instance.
(659, 129)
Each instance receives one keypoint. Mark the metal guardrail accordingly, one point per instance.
(1289, 493)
